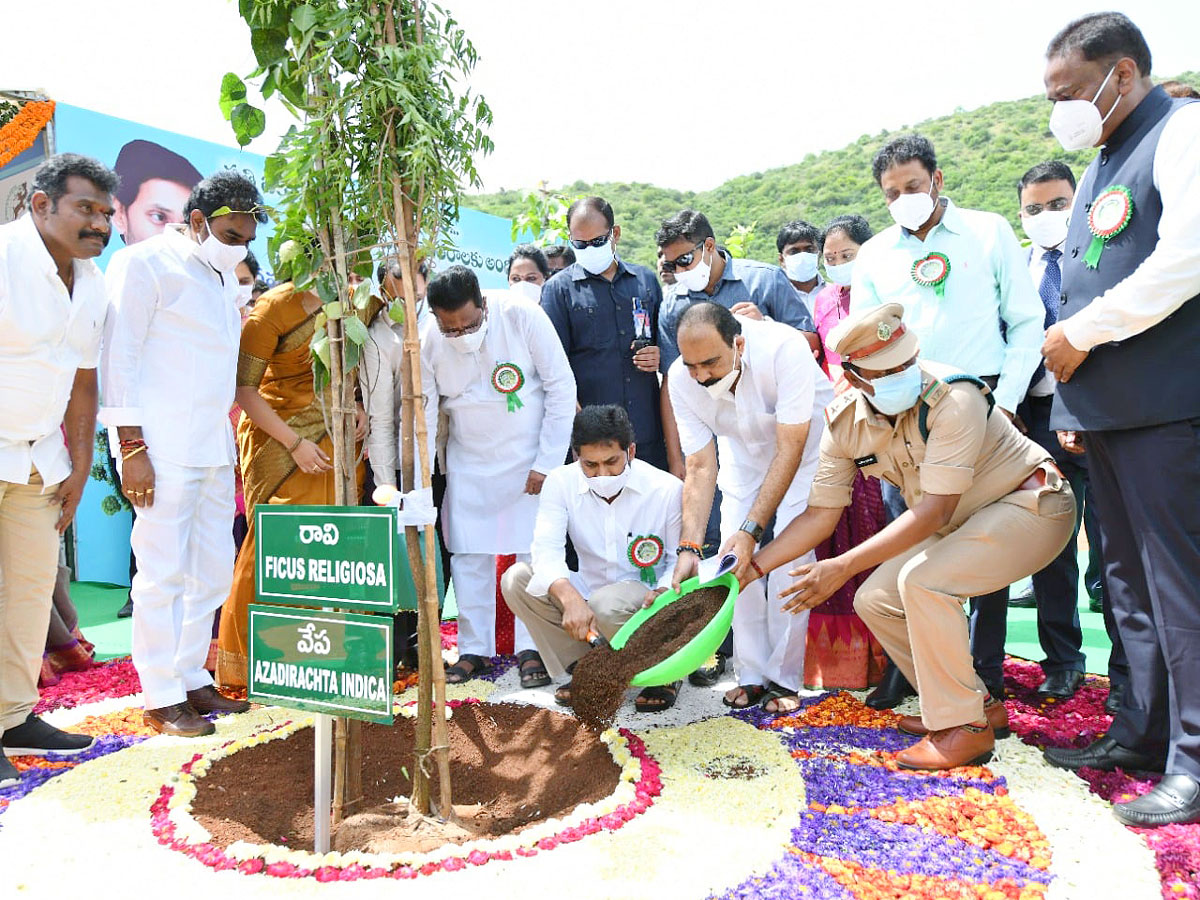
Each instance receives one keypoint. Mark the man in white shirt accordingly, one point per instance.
(170, 364)
(798, 244)
(496, 368)
(52, 309)
(623, 517)
(754, 387)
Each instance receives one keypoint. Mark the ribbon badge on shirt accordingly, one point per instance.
(1107, 218)
(644, 552)
(508, 378)
(932, 271)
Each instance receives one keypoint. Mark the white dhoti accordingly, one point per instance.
(474, 577)
(768, 643)
(184, 548)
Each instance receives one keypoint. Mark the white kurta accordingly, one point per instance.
(490, 450)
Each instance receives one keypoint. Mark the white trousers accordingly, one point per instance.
(184, 548)
(474, 576)
(768, 643)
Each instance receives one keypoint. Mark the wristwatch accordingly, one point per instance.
(753, 529)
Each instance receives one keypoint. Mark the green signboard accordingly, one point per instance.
(348, 557)
(334, 663)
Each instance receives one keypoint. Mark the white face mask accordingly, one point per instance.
(801, 266)
(719, 389)
(839, 274)
(608, 486)
(1077, 123)
(911, 211)
(596, 259)
(528, 290)
(222, 257)
(470, 343)
(1048, 228)
(244, 294)
(695, 278)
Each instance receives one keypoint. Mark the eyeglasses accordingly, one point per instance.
(683, 260)
(465, 330)
(1056, 205)
(594, 242)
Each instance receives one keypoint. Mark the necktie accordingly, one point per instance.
(1050, 290)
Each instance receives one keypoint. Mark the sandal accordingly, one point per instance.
(657, 699)
(562, 696)
(457, 674)
(532, 670)
(775, 693)
(752, 692)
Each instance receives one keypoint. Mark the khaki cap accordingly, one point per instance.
(875, 338)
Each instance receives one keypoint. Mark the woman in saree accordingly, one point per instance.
(284, 448)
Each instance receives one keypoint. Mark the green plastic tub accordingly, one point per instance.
(694, 653)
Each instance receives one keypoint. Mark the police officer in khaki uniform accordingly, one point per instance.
(986, 506)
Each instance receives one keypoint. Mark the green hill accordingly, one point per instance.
(982, 152)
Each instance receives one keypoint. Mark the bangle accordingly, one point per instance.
(688, 547)
(757, 568)
(132, 443)
(125, 457)
(295, 443)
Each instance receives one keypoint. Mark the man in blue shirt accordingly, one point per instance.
(605, 311)
(964, 282)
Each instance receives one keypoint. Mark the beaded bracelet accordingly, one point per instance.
(132, 443)
(689, 547)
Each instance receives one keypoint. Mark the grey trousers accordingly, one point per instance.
(612, 605)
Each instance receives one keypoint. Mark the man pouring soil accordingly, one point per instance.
(986, 507)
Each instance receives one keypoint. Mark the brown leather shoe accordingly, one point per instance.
(964, 745)
(210, 700)
(178, 720)
(996, 714)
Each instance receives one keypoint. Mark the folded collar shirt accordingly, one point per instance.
(170, 357)
(988, 284)
(649, 506)
(780, 384)
(46, 335)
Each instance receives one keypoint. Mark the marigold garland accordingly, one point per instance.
(19, 134)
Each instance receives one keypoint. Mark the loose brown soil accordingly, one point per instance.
(510, 766)
(601, 677)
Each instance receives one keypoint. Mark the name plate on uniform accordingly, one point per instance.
(348, 557)
(334, 663)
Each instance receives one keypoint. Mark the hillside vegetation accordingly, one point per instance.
(983, 153)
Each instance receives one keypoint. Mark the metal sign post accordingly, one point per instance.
(322, 767)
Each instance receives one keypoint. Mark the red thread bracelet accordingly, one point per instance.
(758, 569)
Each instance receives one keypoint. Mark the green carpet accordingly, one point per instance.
(98, 605)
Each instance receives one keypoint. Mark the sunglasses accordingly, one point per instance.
(682, 260)
(1056, 205)
(594, 242)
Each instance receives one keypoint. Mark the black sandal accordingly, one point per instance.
(779, 692)
(532, 670)
(754, 694)
(657, 699)
(457, 674)
(562, 696)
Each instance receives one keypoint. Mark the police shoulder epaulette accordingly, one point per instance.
(934, 391)
(840, 405)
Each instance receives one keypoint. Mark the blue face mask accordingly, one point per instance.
(896, 392)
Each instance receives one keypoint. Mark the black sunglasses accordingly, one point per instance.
(683, 259)
(594, 242)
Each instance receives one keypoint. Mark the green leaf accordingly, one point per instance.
(327, 288)
(220, 211)
(362, 295)
(304, 18)
(233, 92)
(321, 320)
(396, 312)
(355, 330)
(333, 309)
(269, 45)
(351, 353)
(320, 347)
(248, 123)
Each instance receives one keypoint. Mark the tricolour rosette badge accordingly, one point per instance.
(1107, 218)
(507, 378)
(932, 271)
(645, 551)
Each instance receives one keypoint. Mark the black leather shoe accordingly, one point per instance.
(8, 772)
(1174, 801)
(994, 688)
(891, 691)
(1024, 600)
(127, 610)
(707, 676)
(1061, 685)
(1105, 754)
(1112, 704)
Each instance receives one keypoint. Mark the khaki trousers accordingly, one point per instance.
(914, 603)
(612, 606)
(28, 566)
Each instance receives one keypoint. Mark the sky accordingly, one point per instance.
(680, 94)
